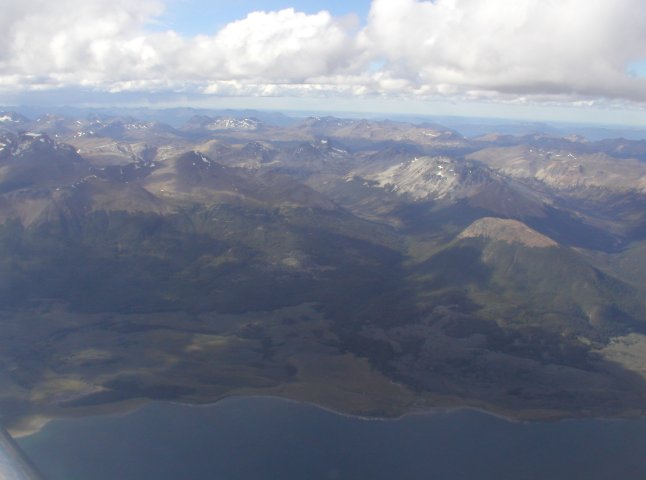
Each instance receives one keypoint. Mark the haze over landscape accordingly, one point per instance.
(380, 208)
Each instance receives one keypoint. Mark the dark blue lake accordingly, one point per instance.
(264, 438)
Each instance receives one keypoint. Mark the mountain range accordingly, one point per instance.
(375, 267)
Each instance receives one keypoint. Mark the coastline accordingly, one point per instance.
(33, 425)
(268, 437)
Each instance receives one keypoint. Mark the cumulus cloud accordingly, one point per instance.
(568, 50)
(524, 47)
(49, 38)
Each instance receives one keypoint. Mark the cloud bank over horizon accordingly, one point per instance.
(558, 51)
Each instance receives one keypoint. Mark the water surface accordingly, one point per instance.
(268, 438)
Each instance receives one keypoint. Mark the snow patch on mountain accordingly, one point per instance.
(420, 178)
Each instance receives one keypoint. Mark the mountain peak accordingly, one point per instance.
(228, 123)
(506, 230)
(12, 119)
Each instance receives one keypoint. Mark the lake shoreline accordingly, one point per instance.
(267, 437)
(37, 423)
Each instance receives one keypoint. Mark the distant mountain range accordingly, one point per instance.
(140, 259)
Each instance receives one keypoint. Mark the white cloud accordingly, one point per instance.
(522, 47)
(525, 50)
(43, 37)
(283, 45)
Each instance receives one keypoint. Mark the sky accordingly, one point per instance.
(207, 16)
(571, 60)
